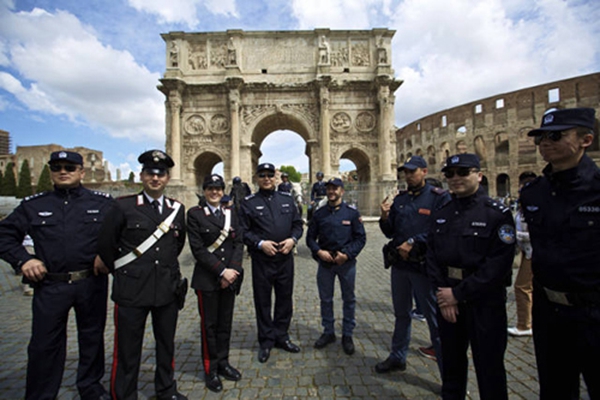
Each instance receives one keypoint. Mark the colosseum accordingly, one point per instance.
(495, 128)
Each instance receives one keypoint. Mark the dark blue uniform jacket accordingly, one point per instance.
(410, 217)
(562, 211)
(64, 225)
(336, 229)
(476, 234)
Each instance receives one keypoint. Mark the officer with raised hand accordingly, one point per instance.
(271, 227)
(562, 210)
(64, 225)
(470, 251)
(141, 239)
(336, 236)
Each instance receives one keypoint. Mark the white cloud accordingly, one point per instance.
(338, 14)
(183, 11)
(72, 73)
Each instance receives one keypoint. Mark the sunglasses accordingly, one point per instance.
(269, 175)
(555, 136)
(458, 171)
(66, 167)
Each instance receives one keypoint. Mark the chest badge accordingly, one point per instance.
(45, 213)
(440, 221)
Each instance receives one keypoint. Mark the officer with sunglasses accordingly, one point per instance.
(64, 225)
(470, 250)
(271, 227)
(562, 210)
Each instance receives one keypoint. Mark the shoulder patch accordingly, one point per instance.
(437, 190)
(37, 195)
(506, 233)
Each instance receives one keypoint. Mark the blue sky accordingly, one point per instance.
(84, 73)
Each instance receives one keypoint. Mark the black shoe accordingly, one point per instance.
(230, 373)
(176, 396)
(213, 383)
(389, 365)
(288, 346)
(348, 345)
(324, 340)
(263, 354)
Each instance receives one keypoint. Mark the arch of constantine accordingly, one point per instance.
(495, 128)
(227, 91)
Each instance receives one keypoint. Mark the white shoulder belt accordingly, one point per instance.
(146, 244)
(224, 232)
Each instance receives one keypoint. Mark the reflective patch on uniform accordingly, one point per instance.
(346, 222)
(93, 211)
(532, 208)
(477, 223)
(45, 213)
(506, 233)
(440, 221)
(589, 209)
(260, 207)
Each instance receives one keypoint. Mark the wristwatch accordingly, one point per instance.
(410, 241)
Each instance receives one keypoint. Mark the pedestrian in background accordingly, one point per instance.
(406, 221)
(217, 246)
(562, 210)
(336, 236)
(271, 228)
(470, 252)
(524, 281)
(141, 238)
(64, 224)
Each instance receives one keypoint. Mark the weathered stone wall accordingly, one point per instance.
(496, 129)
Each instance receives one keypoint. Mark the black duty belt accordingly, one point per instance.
(70, 277)
(576, 299)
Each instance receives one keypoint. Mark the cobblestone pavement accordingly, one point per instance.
(311, 374)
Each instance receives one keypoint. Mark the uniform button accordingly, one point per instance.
(223, 259)
(476, 233)
(156, 262)
(553, 193)
(222, 250)
(43, 222)
(158, 248)
(590, 223)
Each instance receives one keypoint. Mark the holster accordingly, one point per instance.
(181, 291)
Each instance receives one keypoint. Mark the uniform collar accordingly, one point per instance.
(76, 191)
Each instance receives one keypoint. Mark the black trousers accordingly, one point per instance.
(47, 349)
(273, 274)
(216, 316)
(567, 345)
(130, 323)
(484, 327)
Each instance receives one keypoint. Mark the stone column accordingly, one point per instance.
(325, 137)
(386, 107)
(234, 116)
(174, 151)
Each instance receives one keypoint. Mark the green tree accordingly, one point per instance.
(294, 175)
(44, 183)
(1, 179)
(24, 189)
(9, 183)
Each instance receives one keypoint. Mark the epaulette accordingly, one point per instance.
(250, 196)
(37, 195)
(102, 194)
(496, 205)
(438, 190)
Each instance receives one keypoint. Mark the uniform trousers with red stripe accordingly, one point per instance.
(216, 316)
(130, 323)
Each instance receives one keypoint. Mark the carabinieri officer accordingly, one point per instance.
(217, 246)
(141, 238)
(470, 250)
(271, 228)
(64, 224)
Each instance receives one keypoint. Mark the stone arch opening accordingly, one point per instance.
(431, 160)
(359, 189)
(203, 166)
(461, 147)
(480, 150)
(502, 148)
(503, 185)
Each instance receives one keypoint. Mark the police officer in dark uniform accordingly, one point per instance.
(141, 238)
(317, 193)
(562, 210)
(64, 224)
(217, 246)
(407, 222)
(470, 251)
(271, 228)
(239, 190)
(336, 236)
(285, 186)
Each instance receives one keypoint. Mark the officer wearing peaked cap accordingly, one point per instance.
(470, 250)
(271, 228)
(64, 224)
(562, 211)
(140, 241)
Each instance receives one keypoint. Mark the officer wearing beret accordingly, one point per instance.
(217, 246)
(406, 222)
(64, 225)
(470, 251)
(271, 228)
(141, 238)
(562, 210)
(336, 236)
